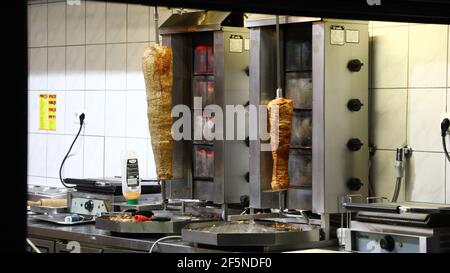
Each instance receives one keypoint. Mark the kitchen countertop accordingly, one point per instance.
(88, 234)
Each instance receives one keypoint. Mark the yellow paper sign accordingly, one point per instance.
(47, 109)
(52, 112)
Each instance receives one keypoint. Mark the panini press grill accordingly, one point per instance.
(110, 185)
(398, 228)
(403, 214)
(97, 196)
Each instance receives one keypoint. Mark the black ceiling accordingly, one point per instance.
(424, 11)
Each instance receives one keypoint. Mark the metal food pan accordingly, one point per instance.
(174, 226)
(48, 210)
(59, 219)
(247, 233)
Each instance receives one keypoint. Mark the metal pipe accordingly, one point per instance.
(33, 246)
(398, 184)
(163, 194)
(279, 89)
(155, 15)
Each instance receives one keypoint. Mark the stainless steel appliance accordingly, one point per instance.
(97, 196)
(209, 61)
(326, 75)
(399, 228)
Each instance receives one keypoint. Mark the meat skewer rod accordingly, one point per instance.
(280, 118)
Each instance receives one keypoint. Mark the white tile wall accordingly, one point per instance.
(409, 79)
(115, 113)
(37, 154)
(36, 180)
(94, 148)
(134, 66)
(116, 66)
(116, 23)
(138, 23)
(95, 113)
(448, 58)
(424, 109)
(428, 55)
(76, 24)
(388, 118)
(95, 22)
(37, 69)
(57, 24)
(75, 65)
(33, 110)
(37, 25)
(90, 56)
(57, 68)
(95, 67)
(114, 148)
(389, 57)
(426, 178)
(75, 104)
(137, 121)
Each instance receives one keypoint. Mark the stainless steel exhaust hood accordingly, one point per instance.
(201, 21)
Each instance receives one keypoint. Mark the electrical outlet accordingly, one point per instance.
(76, 116)
(444, 116)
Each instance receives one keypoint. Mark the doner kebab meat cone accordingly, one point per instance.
(280, 116)
(157, 65)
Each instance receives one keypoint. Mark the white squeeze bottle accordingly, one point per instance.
(131, 182)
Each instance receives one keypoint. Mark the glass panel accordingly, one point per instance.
(199, 162)
(299, 89)
(301, 135)
(293, 55)
(210, 59)
(201, 59)
(203, 162)
(300, 168)
(204, 88)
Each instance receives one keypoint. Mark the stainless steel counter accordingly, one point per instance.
(88, 234)
(104, 241)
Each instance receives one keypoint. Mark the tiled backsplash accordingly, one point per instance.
(409, 91)
(90, 56)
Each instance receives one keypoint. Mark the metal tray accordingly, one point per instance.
(48, 210)
(174, 226)
(59, 219)
(248, 233)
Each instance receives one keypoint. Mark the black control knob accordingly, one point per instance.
(247, 177)
(354, 184)
(354, 65)
(245, 200)
(354, 144)
(89, 205)
(247, 71)
(387, 243)
(247, 141)
(354, 105)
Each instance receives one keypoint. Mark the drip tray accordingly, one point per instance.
(249, 233)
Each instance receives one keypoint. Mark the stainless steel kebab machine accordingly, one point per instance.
(210, 61)
(325, 73)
